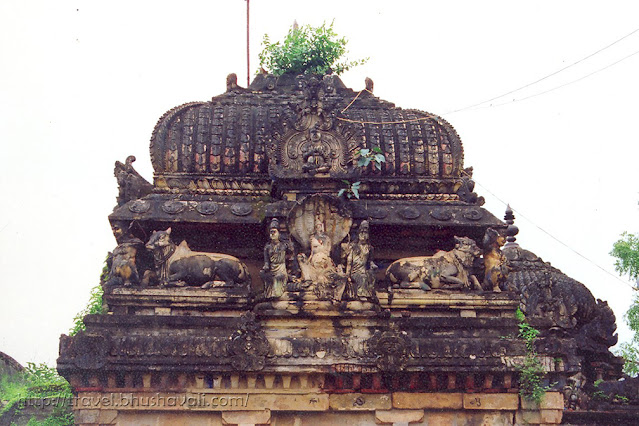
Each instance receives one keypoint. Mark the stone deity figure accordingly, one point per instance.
(360, 268)
(274, 272)
(318, 267)
(122, 262)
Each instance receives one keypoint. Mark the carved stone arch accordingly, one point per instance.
(315, 143)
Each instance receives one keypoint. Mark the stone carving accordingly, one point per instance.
(248, 345)
(88, 351)
(445, 269)
(319, 224)
(599, 333)
(575, 397)
(318, 268)
(174, 206)
(231, 82)
(392, 349)
(334, 215)
(572, 310)
(207, 208)
(131, 185)
(122, 262)
(441, 215)
(140, 206)
(465, 191)
(495, 263)
(274, 272)
(360, 269)
(409, 213)
(241, 209)
(316, 143)
(179, 266)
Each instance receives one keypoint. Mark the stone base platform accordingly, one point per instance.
(299, 407)
(177, 301)
(446, 303)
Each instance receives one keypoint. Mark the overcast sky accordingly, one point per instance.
(82, 85)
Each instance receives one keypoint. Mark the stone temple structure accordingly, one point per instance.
(313, 255)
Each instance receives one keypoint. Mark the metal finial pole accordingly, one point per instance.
(248, 52)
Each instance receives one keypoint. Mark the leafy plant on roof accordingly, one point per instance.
(364, 157)
(307, 50)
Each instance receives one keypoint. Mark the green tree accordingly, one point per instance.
(307, 50)
(626, 253)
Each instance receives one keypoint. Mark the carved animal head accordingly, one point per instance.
(493, 238)
(466, 249)
(159, 239)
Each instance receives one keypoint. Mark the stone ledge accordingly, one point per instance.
(491, 401)
(427, 400)
(91, 403)
(398, 416)
(449, 300)
(359, 402)
(550, 401)
(246, 417)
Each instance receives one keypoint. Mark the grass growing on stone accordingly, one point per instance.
(35, 383)
(531, 373)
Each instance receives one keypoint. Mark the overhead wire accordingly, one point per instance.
(474, 106)
(520, 214)
(546, 76)
(554, 88)
(430, 116)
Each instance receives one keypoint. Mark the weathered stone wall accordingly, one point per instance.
(325, 409)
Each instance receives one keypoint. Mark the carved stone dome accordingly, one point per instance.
(246, 133)
(251, 153)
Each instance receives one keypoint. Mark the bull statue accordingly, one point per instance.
(177, 265)
(444, 269)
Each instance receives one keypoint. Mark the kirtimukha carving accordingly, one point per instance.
(179, 266)
(274, 272)
(131, 185)
(122, 263)
(248, 345)
(392, 349)
(360, 268)
(496, 264)
(315, 143)
(444, 269)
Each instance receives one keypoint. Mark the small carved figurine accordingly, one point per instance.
(131, 185)
(122, 262)
(179, 266)
(449, 269)
(360, 268)
(496, 264)
(274, 272)
(231, 82)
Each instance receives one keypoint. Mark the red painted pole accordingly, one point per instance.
(248, 54)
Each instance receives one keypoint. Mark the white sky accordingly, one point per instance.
(82, 84)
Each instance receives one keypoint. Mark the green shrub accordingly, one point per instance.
(37, 381)
(94, 306)
(531, 373)
(307, 50)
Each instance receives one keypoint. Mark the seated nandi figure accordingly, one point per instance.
(178, 265)
(444, 269)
